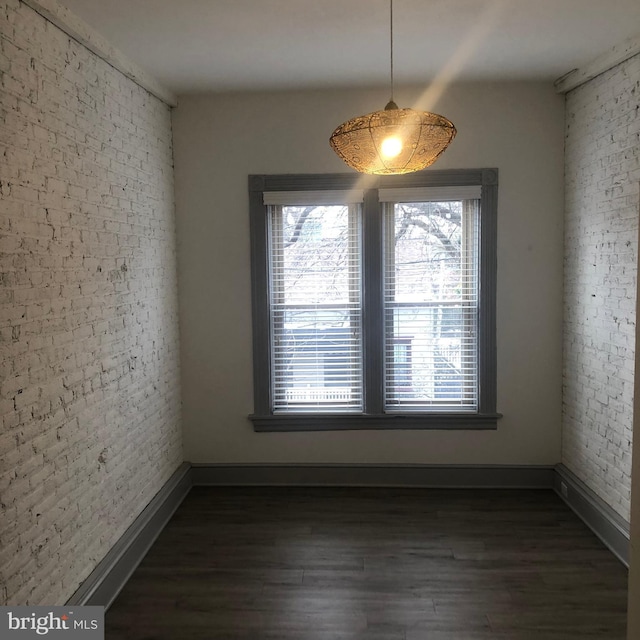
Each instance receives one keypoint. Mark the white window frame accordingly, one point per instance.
(265, 190)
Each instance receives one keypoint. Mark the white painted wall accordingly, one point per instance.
(89, 377)
(602, 170)
(221, 139)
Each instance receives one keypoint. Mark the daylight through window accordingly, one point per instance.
(316, 307)
(374, 308)
(430, 305)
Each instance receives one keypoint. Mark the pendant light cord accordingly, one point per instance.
(391, 42)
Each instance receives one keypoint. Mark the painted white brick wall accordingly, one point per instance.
(602, 172)
(89, 367)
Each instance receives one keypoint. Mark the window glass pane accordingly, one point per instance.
(427, 261)
(430, 299)
(428, 366)
(315, 281)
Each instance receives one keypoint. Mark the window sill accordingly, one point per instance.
(342, 422)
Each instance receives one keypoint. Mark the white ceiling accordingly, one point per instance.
(219, 45)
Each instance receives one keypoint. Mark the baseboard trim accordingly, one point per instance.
(107, 580)
(109, 577)
(429, 476)
(610, 527)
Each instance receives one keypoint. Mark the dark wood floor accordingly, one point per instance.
(373, 564)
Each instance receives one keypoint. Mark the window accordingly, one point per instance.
(315, 306)
(374, 300)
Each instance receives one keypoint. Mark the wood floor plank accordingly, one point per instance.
(373, 564)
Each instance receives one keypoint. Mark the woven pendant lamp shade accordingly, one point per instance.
(419, 138)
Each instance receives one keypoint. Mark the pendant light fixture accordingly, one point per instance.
(394, 140)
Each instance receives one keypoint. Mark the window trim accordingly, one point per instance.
(374, 418)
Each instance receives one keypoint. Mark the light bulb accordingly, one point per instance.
(391, 146)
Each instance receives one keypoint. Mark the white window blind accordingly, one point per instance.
(430, 194)
(329, 196)
(431, 299)
(315, 302)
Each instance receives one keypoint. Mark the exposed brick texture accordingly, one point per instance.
(601, 247)
(89, 369)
